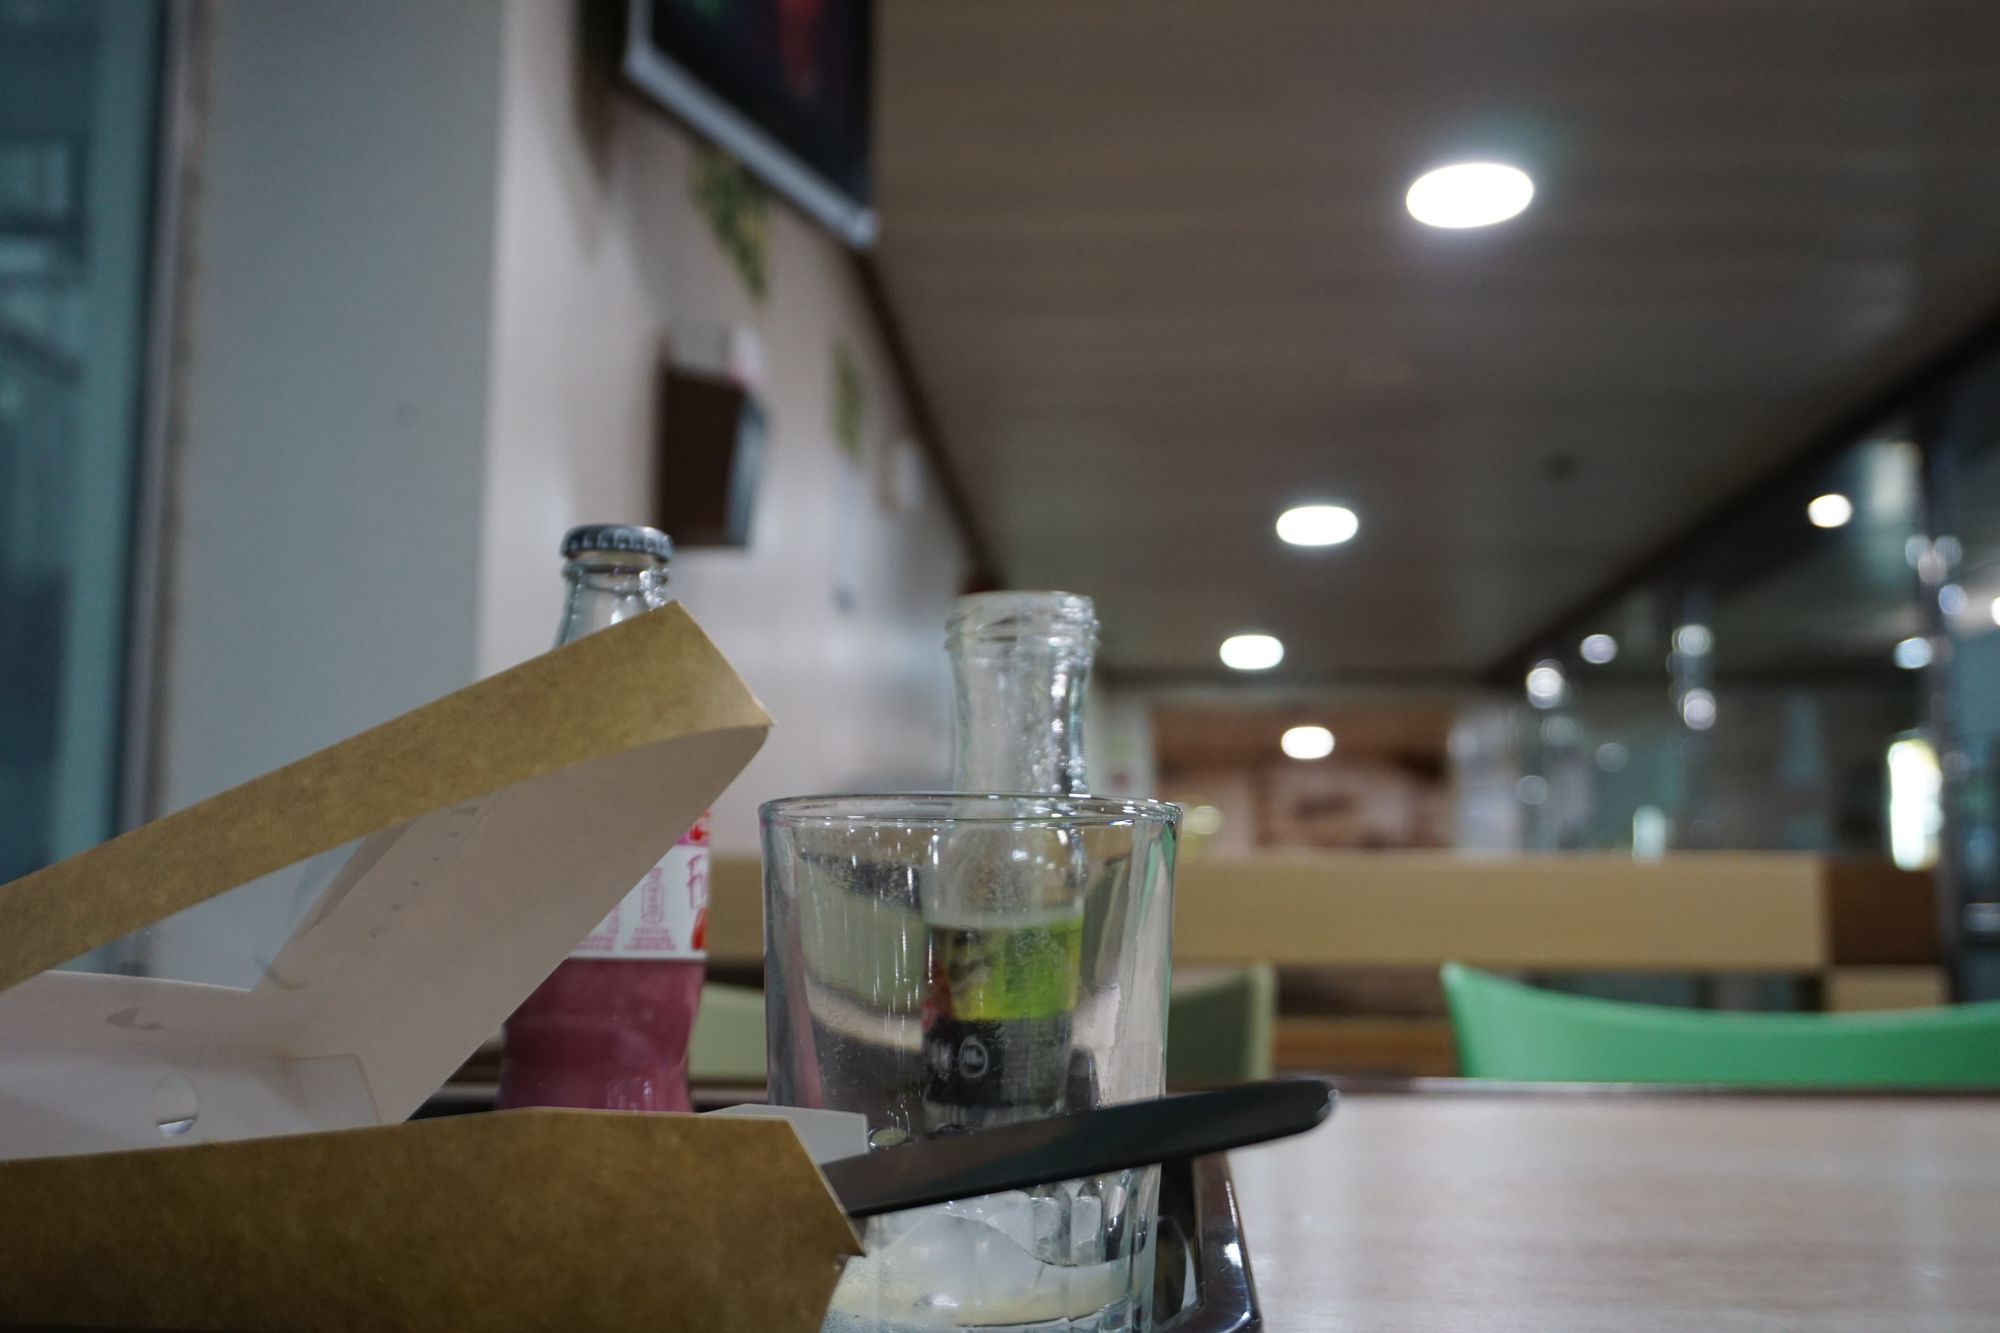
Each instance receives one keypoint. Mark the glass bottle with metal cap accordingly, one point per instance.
(609, 1029)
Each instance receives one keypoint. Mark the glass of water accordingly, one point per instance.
(941, 964)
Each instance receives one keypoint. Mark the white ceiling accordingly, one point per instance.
(1154, 267)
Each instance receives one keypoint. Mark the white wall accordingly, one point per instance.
(1118, 742)
(600, 255)
(328, 403)
(431, 262)
(331, 391)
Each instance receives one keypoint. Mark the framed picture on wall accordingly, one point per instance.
(783, 86)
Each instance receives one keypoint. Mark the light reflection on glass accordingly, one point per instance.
(1545, 684)
(1649, 833)
(1916, 809)
(1698, 709)
(1693, 640)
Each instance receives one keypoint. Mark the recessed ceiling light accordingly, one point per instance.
(1469, 194)
(1307, 742)
(1831, 510)
(1597, 649)
(1252, 652)
(1318, 525)
(1913, 654)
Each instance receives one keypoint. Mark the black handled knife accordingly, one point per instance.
(1111, 1138)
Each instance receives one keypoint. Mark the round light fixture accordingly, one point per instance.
(1913, 654)
(1469, 194)
(1318, 525)
(1307, 742)
(1597, 649)
(1952, 599)
(1252, 652)
(1831, 510)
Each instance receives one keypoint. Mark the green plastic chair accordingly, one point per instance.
(1220, 1026)
(1506, 1030)
(728, 1041)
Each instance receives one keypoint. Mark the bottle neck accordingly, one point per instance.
(1021, 662)
(606, 587)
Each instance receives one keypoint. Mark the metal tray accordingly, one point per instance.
(1202, 1281)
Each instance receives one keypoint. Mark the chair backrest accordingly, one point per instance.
(1220, 1026)
(1506, 1030)
(728, 1041)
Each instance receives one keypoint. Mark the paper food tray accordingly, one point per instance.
(464, 848)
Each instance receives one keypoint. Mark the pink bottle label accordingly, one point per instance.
(665, 916)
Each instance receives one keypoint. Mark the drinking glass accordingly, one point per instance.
(941, 964)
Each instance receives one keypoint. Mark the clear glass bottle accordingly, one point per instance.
(1021, 661)
(1005, 935)
(609, 1028)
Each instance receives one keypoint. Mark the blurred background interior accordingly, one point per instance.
(1646, 638)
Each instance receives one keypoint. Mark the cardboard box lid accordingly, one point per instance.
(464, 848)
(491, 830)
(521, 1220)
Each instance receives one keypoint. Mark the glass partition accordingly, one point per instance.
(77, 105)
(1818, 669)
(1963, 563)
(1747, 696)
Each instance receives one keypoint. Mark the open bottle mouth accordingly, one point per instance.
(1051, 619)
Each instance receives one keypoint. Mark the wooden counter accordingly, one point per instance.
(1693, 912)
(1665, 1213)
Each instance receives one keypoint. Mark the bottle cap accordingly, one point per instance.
(617, 537)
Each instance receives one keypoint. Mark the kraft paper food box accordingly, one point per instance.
(180, 1155)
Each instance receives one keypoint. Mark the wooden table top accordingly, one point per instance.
(1705, 1212)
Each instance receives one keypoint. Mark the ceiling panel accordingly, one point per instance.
(1154, 266)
